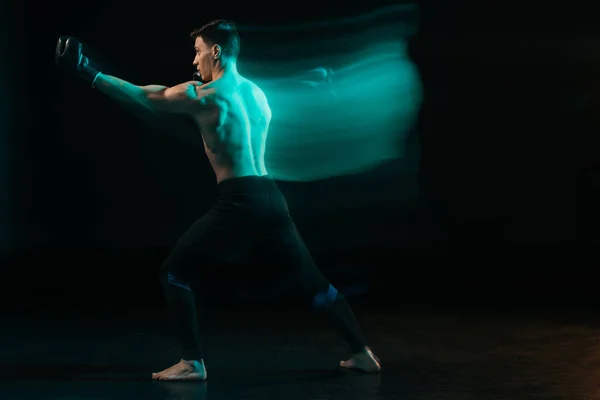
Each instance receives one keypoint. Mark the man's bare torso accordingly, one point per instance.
(234, 128)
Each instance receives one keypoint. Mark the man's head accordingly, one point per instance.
(217, 44)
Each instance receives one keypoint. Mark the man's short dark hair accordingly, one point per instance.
(221, 32)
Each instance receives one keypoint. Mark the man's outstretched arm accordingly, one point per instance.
(180, 99)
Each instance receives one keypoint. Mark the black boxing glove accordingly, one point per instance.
(69, 55)
(198, 77)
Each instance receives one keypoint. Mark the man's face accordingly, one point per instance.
(204, 60)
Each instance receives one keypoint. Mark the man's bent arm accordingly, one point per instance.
(123, 91)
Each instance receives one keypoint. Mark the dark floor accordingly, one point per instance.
(110, 354)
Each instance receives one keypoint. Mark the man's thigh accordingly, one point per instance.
(211, 245)
(284, 264)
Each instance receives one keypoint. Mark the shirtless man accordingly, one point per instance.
(233, 116)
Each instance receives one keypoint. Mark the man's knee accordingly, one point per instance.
(325, 298)
(172, 279)
(168, 277)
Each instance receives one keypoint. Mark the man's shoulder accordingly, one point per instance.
(226, 88)
(244, 83)
(231, 85)
(256, 91)
(216, 90)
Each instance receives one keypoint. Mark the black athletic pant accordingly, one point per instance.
(249, 219)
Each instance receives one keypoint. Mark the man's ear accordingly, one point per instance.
(216, 52)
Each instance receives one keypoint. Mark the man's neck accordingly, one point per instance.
(225, 69)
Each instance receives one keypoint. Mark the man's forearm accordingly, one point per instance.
(125, 92)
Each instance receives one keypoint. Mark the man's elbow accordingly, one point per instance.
(161, 103)
(156, 101)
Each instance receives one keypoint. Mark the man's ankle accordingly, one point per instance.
(362, 350)
(193, 361)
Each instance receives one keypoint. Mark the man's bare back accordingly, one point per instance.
(234, 129)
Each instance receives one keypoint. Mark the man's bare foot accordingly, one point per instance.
(184, 370)
(365, 361)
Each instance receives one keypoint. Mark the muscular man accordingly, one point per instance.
(233, 117)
